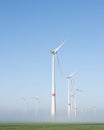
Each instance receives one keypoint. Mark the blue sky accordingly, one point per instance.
(25, 65)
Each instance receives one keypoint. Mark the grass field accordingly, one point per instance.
(51, 126)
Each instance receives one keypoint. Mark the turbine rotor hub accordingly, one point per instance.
(54, 52)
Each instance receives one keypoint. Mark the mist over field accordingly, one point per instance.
(45, 116)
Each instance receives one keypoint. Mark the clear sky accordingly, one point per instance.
(25, 64)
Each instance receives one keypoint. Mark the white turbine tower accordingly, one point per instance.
(53, 105)
(75, 99)
(75, 102)
(69, 93)
(26, 103)
(36, 104)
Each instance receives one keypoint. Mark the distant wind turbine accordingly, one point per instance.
(36, 104)
(53, 105)
(75, 99)
(26, 102)
(75, 102)
(69, 93)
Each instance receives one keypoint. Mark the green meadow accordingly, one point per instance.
(47, 126)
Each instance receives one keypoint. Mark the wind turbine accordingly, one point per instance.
(26, 104)
(75, 102)
(36, 104)
(53, 105)
(69, 93)
(75, 99)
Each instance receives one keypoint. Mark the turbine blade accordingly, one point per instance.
(56, 50)
(45, 46)
(78, 90)
(59, 63)
(23, 98)
(71, 75)
(37, 98)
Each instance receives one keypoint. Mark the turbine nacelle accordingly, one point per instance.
(71, 75)
(57, 49)
(53, 52)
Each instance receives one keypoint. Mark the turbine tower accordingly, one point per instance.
(36, 98)
(69, 93)
(26, 103)
(37, 105)
(75, 99)
(53, 105)
(75, 102)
